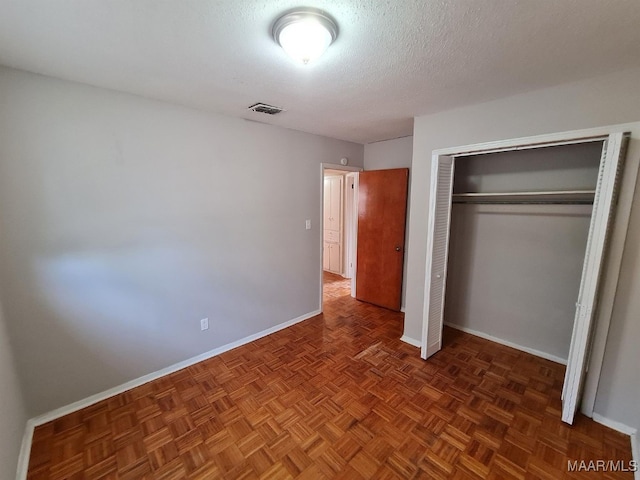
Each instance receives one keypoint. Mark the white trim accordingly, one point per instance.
(594, 263)
(345, 168)
(486, 336)
(614, 424)
(610, 281)
(534, 145)
(98, 397)
(354, 233)
(426, 349)
(411, 341)
(569, 137)
(433, 186)
(625, 429)
(349, 217)
(25, 451)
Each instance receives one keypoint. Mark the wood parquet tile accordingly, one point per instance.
(335, 397)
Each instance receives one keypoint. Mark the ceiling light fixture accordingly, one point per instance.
(305, 33)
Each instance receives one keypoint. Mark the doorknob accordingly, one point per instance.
(438, 276)
(397, 249)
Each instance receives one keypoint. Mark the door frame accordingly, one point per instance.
(350, 224)
(353, 244)
(613, 261)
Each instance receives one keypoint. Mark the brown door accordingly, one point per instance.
(382, 211)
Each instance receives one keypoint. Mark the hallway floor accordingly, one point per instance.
(335, 286)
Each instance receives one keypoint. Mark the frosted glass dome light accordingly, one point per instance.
(305, 34)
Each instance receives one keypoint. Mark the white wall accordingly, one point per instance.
(124, 221)
(395, 153)
(13, 416)
(606, 100)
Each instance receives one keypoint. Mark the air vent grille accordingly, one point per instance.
(264, 108)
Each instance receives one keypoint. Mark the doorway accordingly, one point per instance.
(363, 231)
(338, 230)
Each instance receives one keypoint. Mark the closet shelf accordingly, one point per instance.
(579, 197)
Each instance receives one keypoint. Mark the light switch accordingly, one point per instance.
(307, 224)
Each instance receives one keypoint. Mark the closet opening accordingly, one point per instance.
(519, 228)
(516, 245)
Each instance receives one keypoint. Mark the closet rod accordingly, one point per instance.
(528, 194)
(524, 202)
(564, 197)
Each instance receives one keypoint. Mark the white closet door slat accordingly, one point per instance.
(601, 220)
(437, 253)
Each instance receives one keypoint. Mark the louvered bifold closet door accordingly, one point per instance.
(437, 252)
(601, 219)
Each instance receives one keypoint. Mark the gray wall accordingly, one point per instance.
(567, 167)
(13, 416)
(124, 221)
(619, 387)
(396, 153)
(514, 270)
(605, 100)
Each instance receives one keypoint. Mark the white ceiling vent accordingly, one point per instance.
(264, 108)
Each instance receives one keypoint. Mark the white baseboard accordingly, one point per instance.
(486, 336)
(23, 461)
(411, 341)
(613, 424)
(627, 430)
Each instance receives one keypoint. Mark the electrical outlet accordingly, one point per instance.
(204, 324)
(307, 224)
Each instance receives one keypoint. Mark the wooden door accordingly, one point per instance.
(382, 211)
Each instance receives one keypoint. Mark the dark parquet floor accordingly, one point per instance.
(337, 396)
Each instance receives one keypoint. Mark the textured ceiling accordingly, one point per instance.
(392, 60)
